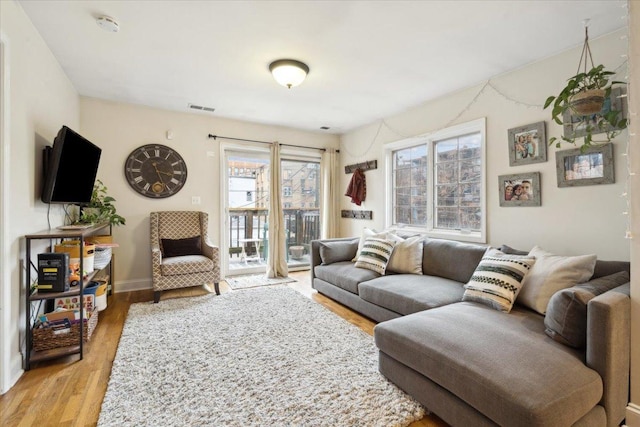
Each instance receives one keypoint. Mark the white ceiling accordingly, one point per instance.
(368, 59)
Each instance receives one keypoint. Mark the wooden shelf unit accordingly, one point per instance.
(32, 356)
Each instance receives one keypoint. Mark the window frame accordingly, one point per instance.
(474, 126)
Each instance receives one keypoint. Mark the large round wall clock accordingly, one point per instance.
(155, 171)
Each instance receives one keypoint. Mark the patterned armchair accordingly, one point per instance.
(187, 258)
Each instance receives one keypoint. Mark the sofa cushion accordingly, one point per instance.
(187, 264)
(501, 363)
(409, 293)
(406, 256)
(450, 259)
(511, 251)
(566, 317)
(331, 252)
(552, 273)
(375, 254)
(497, 280)
(344, 275)
(607, 268)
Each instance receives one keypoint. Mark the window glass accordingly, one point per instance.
(437, 182)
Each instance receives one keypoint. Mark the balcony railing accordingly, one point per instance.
(301, 227)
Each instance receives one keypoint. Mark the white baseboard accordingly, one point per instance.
(133, 285)
(633, 415)
(15, 371)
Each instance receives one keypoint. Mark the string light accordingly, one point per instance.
(357, 157)
(625, 194)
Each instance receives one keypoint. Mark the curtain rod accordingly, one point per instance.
(266, 142)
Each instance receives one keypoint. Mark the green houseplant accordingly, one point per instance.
(101, 207)
(583, 97)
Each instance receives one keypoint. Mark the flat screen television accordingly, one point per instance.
(70, 168)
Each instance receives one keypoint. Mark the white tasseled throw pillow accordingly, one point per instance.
(498, 279)
(375, 254)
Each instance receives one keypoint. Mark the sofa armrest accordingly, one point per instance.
(315, 251)
(156, 261)
(608, 348)
(213, 252)
(209, 249)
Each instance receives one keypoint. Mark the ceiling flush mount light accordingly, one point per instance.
(289, 72)
(108, 24)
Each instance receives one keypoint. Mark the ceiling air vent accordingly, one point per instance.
(200, 107)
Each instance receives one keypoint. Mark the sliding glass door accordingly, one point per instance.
(246, 212)
(246, 227)
(301, 206)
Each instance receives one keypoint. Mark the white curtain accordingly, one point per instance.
(276, 259)
(329, 205)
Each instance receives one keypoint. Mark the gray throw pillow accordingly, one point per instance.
(566, 317)
(511, 251)
(331, 252)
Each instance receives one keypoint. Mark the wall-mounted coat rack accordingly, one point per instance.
(364, 166)
(357, 214)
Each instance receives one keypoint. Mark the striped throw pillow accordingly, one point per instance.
(498, 279)
(375, 254)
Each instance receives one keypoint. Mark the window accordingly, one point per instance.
(286, 191)
(437, 183)
(458, 183)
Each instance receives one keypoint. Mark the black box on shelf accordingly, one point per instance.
(53, 272)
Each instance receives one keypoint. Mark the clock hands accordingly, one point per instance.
(157, 187)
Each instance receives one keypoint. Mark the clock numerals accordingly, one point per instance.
(155, 171)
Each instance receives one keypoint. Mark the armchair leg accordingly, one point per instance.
(156, 297)
(217, 286)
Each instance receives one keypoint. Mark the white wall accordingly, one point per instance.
(40, 100)
(120, 128)
(571, 220)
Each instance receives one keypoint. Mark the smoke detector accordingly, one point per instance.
(108, 24)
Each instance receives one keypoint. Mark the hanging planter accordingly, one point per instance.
(588, 101)
(583, 97)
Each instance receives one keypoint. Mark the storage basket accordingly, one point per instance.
(46, 339)
(72, 247)
(101, 257)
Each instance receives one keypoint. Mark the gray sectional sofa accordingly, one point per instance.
(473, 365)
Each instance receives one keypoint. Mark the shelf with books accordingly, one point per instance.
(79, 334)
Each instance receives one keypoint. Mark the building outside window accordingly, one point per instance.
(437, 183)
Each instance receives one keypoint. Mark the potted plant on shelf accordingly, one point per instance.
(100, 208)
(583, 97)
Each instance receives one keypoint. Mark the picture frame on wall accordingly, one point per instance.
(574, 126)
(528, 144)
(521, 189)
(592, 166)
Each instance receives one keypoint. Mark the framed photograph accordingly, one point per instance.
(519, 189)
(592, 166)
(527, 144)
(574, 126)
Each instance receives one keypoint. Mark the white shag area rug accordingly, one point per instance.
(255, 280)
(259, 357)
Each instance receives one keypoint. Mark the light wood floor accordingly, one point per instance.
(69, 392)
